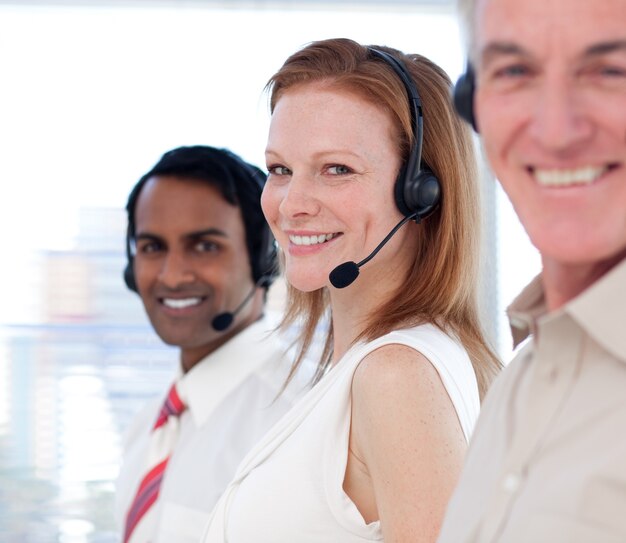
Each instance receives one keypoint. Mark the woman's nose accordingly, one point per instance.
(300, 197)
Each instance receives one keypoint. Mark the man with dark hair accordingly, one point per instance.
(547, 93)
(201, 257)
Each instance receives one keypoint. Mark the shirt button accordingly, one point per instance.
(549, 373)
(511, 482)
(553, 375)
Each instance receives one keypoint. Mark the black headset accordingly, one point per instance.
(263, 254)
(417, 190)
(463, 96)
(129, 271)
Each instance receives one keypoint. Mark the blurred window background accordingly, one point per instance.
(91, 94)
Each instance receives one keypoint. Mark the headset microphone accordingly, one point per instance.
(345, 274)
(223, 320)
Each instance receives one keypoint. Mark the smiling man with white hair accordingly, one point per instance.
(546, 90)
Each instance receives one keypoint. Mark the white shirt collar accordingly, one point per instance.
(219, 373)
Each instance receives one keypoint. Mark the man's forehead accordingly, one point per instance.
(572, 27)
(495, 25)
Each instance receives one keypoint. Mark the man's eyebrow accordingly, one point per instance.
(147, 235)
(604, 48)
(192, 235)
(496, 49)
(207, 232)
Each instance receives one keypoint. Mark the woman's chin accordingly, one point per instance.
(307, 282)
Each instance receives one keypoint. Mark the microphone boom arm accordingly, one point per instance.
(345, 274)
(387, 238)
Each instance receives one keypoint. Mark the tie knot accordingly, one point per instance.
(172, 407)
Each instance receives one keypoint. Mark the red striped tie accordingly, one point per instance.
(148, 491)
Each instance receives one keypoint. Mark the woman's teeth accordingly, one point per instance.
(311, 240)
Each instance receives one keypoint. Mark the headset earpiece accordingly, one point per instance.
(418, 195)
(129, 270)
(129, 276)
(263, 257)
(267, 265)
(422, 195)
(463, 96)
(417, 190)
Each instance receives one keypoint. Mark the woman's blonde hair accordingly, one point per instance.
(441, 285)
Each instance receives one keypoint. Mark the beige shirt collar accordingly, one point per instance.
(525, 310)
(600, 310)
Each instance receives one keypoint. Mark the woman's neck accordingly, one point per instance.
(353, 307)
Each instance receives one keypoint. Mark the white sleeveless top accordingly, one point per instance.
(290, 486)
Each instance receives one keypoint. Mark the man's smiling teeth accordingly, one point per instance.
(311, 240)
(181, 303)
(579, 176)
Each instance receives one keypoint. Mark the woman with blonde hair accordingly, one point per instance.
(372, 197)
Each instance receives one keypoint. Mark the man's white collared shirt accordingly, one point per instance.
(233, 399)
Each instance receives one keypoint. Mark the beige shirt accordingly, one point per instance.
(547, 462)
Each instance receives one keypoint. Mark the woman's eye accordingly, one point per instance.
(339, 169)
(278, 170)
